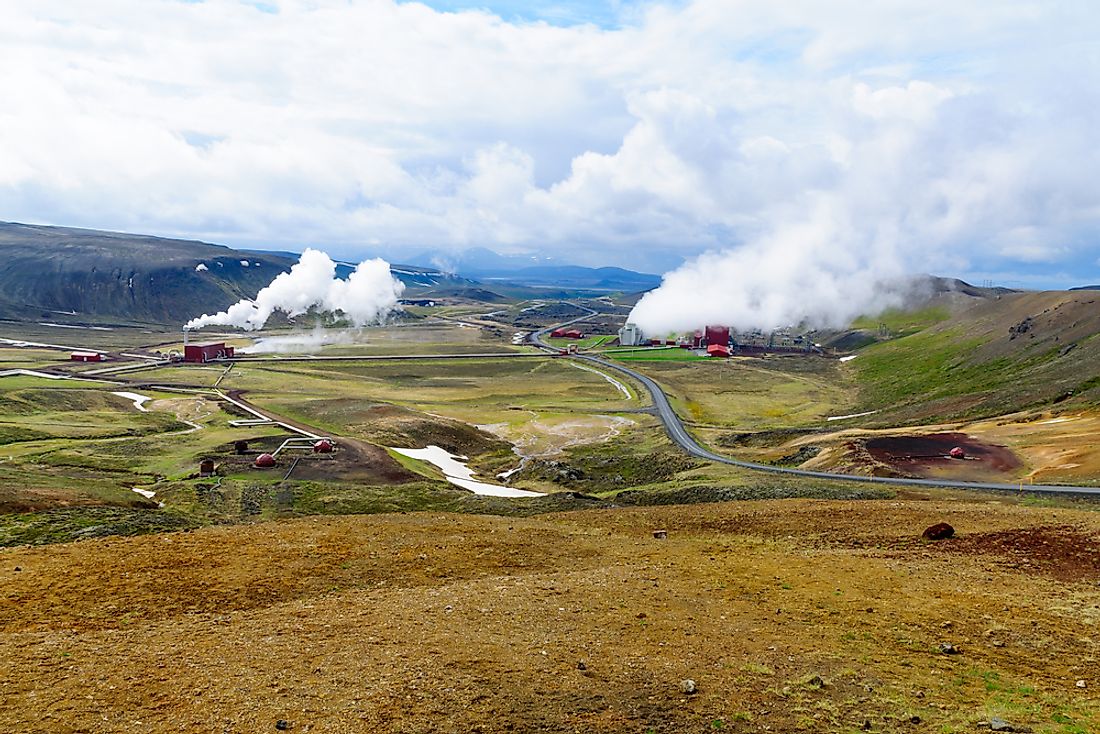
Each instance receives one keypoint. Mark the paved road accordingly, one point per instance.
(676, 431)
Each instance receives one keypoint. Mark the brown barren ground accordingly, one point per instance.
(790, 616)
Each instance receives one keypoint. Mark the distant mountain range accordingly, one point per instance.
(92, 276)
(536, 272)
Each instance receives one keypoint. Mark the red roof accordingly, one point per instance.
(717, 350)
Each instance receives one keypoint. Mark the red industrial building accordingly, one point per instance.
(717, 335)
(206, 352)
(85, 357)
(567, 334)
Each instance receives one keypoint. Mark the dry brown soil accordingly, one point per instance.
(790, 616)
(921, 455)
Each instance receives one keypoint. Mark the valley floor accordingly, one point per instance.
(800, 615)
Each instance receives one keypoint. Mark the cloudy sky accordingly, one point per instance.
(938, 135)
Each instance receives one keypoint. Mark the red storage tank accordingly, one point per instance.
(957, 453)
(324, 446)
(264, 461)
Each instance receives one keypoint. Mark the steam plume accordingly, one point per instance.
(820, 273)
(368, 294)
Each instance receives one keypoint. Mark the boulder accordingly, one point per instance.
(939, 531)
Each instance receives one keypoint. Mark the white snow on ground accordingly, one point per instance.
(201, 267)
(138, 399)
(621, 387)
(244, 263)
(1055, 420)
(455, 470)
(853, 415)
(849, 358)
(146, 493)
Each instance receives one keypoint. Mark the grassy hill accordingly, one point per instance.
(1006, 353)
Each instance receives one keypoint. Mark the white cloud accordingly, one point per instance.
(889, 134)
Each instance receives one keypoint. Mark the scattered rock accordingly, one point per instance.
(1081, 684)
(18, 569)
(948, 649)
(939, 531)
(660, 534)
(688, 687)
(282, 724)
(581, 665)
(448, 609)
(996, 724)
(642, 615)
(815, 681)
(914, 719)
(866, 725)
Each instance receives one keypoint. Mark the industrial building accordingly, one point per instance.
(567, 334)
(630, 336)
(207, 352)
(86, 357)
(716, 340)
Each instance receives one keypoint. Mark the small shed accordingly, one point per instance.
(717, 350)
(85, 357)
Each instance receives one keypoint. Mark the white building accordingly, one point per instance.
(630, 335)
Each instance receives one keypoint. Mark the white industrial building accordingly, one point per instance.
(630, 335)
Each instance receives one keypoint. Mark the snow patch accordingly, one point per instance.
(851, 415)
(457, 473)
(139, 400)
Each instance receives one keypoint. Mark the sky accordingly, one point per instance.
(871, 139)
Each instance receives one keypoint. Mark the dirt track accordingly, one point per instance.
(430, 622)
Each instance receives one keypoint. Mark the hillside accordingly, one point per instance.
(1006, 353)
(91, 276)
(94, 276)
(786, 616)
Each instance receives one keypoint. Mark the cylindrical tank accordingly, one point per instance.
(324, 446)
(957, 453)
(206, 467)
(264, 461)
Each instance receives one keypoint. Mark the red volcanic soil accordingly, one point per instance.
(928, 455)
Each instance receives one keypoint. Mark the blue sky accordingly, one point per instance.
(603, 13)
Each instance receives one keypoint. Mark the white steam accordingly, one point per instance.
(819, 274)
(301, 343)
(368, 295)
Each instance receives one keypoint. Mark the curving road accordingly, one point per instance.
(676, 431)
